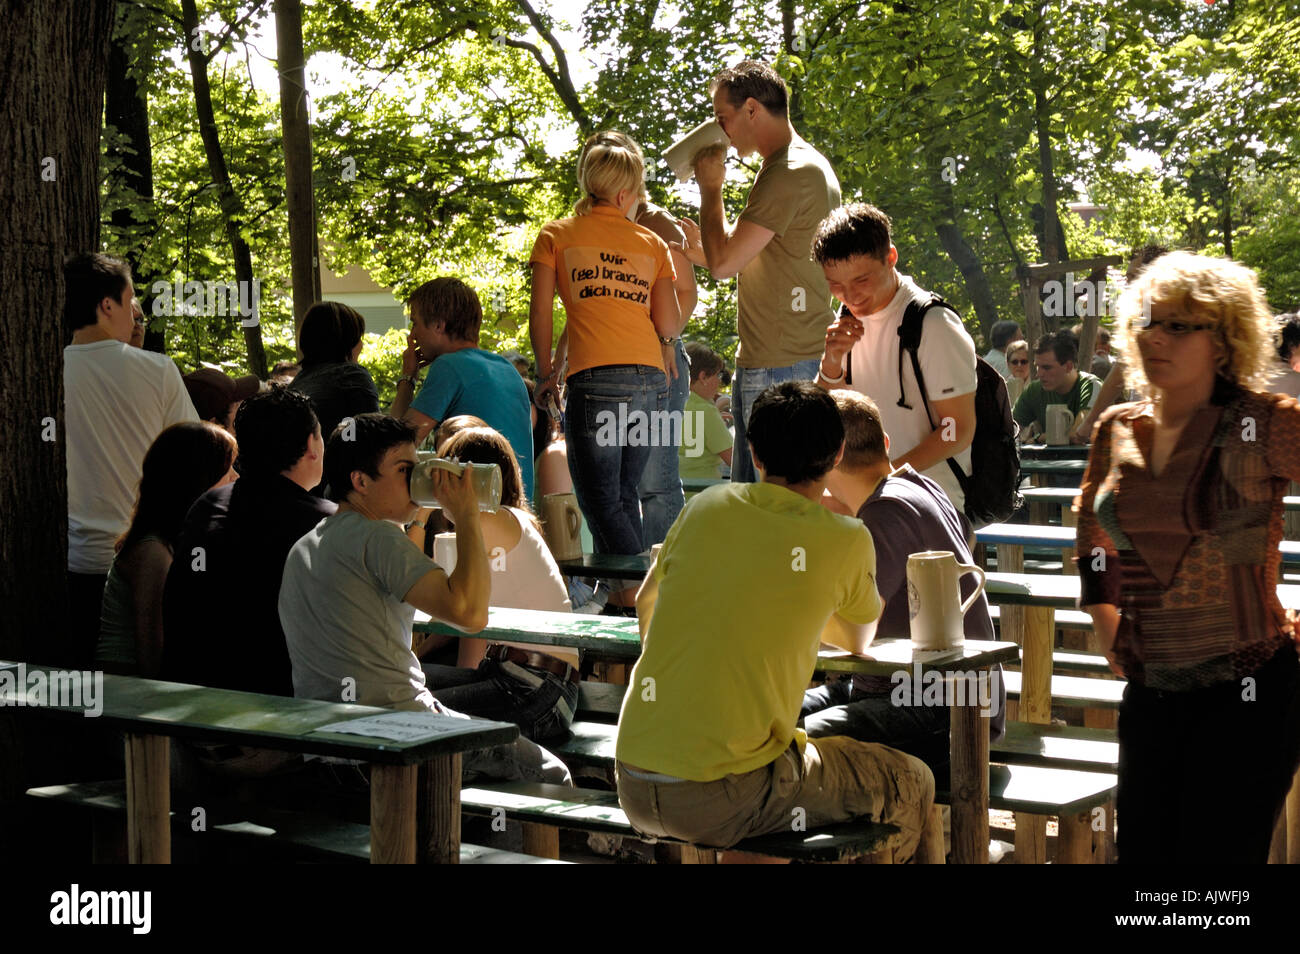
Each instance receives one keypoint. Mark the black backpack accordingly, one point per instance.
(994, 454)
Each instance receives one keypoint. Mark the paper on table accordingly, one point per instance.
(400, 726)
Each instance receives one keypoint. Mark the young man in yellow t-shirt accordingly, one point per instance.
(750, 580)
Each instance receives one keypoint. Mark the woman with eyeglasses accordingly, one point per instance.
(1179, 521)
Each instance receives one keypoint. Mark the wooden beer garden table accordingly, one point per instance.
(969, 738)
(1054, 451)
(414, 785)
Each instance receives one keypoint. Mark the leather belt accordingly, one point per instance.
(520, 657)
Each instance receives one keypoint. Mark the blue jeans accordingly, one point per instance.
(661, 486)
(922, 731)
(748, 384)
(539, 702)
(614, 414)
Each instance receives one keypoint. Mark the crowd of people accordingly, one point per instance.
(264, 537)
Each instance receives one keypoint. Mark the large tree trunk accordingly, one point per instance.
(232, 209)
(972, 272)
(1052, 247)
(53, 63)
(295, 122)
(126, 108)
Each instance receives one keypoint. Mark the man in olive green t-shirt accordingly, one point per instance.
(783, 304)
(751, 579)
(1059, 382)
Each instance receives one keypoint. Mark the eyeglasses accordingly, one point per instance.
(1018, 361)
(1175, 328)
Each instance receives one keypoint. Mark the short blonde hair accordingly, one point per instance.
(611, 161)
(1214, 289)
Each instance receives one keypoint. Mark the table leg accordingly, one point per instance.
(392, 814)
(438, 815)
(1035, 708)
(148, 799)
(969, 787)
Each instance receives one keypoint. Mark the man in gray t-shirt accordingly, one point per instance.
(352, 585)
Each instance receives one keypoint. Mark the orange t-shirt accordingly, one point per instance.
(605, 267)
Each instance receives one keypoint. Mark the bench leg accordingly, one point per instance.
(438, 814)
(148, 799)
(1074, 841)
(542, 841)
(392, 814)
(1103, 841)
(1031, 839)
(969, 760)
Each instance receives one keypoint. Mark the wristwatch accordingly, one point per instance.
(414, 378)
(667, 341)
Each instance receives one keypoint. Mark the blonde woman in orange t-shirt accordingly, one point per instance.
(615, 279)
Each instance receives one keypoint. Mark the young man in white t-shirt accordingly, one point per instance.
(853, 245)
(117, 399)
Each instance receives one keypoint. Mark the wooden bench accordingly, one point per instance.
(1067, 749)
(414, 786)
(250, 830)
(553, 807)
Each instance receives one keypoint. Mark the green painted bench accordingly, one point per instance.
(250, 831)
(557, 806)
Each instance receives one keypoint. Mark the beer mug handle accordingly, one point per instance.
(574, 521)
(962, 570)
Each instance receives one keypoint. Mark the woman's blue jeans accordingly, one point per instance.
(615, 416)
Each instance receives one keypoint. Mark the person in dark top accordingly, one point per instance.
(220, 618)
(906, 513)
(338, 387)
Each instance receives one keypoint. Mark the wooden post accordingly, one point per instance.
(438, 815)
(392, 814)
(1074, 839)
(541, 841)
(969, 785)
(1011, 619)
(1035, 708)
(148, 799)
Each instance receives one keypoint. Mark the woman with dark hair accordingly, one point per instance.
(184, 462)
(1180, 516)
(338, 387)
(506, 681)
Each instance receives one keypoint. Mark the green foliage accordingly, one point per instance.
(382, 357)
(447, 134)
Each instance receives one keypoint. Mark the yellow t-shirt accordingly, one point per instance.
(748, 576)
(605, 267)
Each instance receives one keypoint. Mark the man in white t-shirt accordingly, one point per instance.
(853, 245)
(117, 400)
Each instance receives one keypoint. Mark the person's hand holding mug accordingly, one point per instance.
(456, 495)
(711, 167)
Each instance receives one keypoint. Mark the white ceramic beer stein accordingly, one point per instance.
(934, 600)
(562, 526)
(1059, 420)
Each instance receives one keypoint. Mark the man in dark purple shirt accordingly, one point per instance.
(906, 512)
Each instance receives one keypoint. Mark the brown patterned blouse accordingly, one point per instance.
(1191, 557)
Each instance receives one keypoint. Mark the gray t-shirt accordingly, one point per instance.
(347, 629)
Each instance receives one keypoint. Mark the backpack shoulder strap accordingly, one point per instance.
(909, 340)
